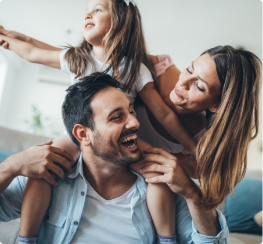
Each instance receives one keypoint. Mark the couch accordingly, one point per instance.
(15, 141)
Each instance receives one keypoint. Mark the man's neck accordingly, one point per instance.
(108, 180)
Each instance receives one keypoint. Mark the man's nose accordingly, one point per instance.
(132, 122)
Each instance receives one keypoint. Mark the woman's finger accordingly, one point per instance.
(157, 179)
(159, 151)
(156, 168)
(157, 158)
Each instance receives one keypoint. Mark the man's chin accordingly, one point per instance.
(136, 157)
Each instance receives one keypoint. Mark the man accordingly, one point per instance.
(101, 201)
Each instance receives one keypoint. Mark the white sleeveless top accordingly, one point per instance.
(150, 135)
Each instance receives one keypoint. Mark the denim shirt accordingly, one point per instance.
(66, 206)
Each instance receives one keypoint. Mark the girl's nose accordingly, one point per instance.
(88, 16)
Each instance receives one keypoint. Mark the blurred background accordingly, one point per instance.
(31, 95)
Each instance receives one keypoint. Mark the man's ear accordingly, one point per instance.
(81, 134)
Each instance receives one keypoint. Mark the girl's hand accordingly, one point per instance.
(172, 173)
(12, 34)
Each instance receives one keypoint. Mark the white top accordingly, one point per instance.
(143, 78)
(101, 218)
(150, 135)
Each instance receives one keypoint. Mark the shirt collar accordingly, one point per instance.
(78, 168)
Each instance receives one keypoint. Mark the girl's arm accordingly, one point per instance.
(22, 37)
(32, 53)
(166, 117)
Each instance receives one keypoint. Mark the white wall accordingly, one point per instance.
(181, 28)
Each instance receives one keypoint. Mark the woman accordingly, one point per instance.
(219, 91)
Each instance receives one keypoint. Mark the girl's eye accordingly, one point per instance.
(97, 10)
(189, 71)
(198, 87)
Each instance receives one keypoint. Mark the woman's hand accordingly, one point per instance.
(171, 173)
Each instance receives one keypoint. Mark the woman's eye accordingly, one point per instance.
(189, 71)
(199, 88)
(97, 10)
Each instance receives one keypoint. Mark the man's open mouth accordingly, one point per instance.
(129, 141)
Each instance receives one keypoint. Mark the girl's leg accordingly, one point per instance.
(161, 204)
(36, 200)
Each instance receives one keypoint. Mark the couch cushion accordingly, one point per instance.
(241, 208)
(5, 154)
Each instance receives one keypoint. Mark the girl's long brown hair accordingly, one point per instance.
(125, 39)
(222, 151)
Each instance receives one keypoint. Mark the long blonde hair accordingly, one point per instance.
(222, 151)
(124, 39)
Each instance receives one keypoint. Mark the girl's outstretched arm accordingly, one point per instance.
(166, 117)
(22, 37)
(37, 194)
(32, 53)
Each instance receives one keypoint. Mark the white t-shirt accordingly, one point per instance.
(143, 78)
(100, 218)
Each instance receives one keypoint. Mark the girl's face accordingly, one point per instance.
(198, 87)
(97, 21)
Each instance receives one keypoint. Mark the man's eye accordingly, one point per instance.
(189, 71)
(116, 118)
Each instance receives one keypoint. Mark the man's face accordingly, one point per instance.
(114, 138)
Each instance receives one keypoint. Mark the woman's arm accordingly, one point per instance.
(206, 221)
(22, 37)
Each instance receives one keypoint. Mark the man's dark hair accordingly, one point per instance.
(76, 107)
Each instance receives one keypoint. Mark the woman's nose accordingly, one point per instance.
(185, 82)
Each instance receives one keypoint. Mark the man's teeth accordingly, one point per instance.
(129, 138)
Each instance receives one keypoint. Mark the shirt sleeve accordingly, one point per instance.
(11, 199)
(63, 63)
(144, 77)
(220, 238)
(165, 61)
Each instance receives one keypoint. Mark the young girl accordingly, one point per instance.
(113, 43)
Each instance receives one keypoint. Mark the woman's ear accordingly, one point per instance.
(214, 108)
(81, 134)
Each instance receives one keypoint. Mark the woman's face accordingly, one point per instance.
(198, 87)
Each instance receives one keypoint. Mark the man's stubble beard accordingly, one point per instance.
(107, 151)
